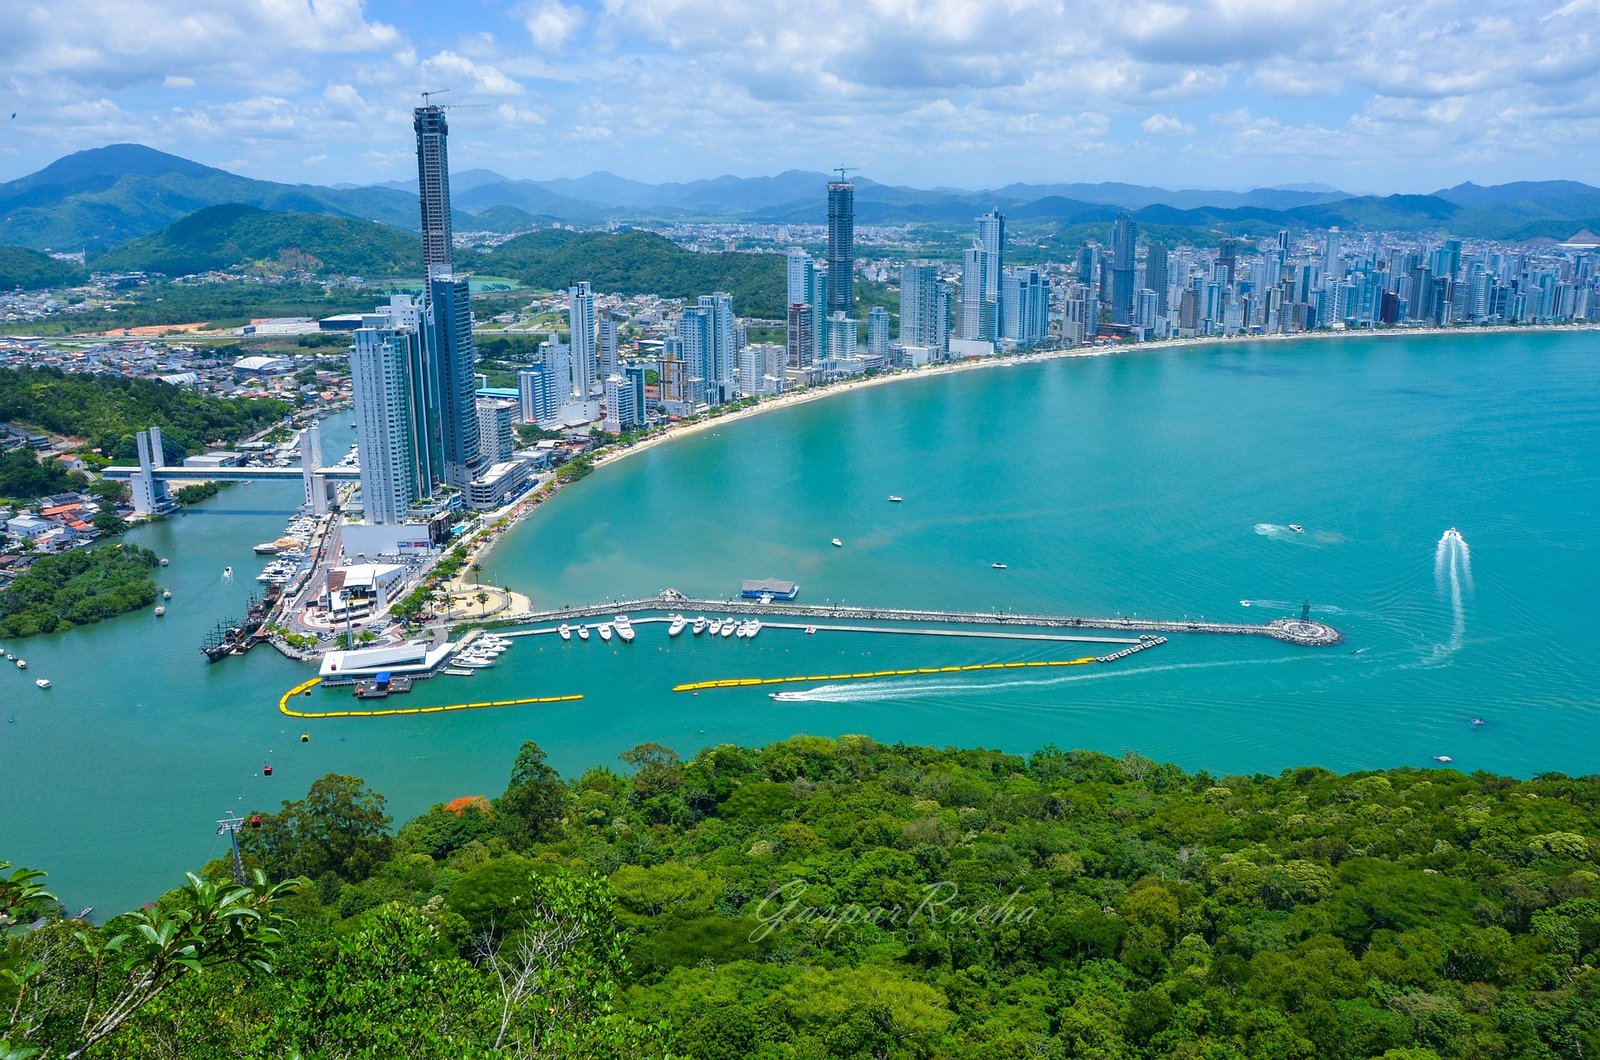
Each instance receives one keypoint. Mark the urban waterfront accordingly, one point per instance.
(1162, 483)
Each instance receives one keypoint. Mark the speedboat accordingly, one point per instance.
(810, 630)
(42, 682)
(565, 631)
(227, 572)
(1477, 721)
(998, 566)
(715, 626)
(267, 548)
(893, 499)
(1297, 528)
(699, 625)
(755, 627)
(1443, 758)
(626, 633)
(837, 543)
(742, 630)
(605, 632)
(473, 660)
(22, 664)
(166, 594)
(583, 632)
(160, 610)
(622, 622)
(729, 627)
(678, 622)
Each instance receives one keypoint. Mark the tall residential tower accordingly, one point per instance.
(841, 245)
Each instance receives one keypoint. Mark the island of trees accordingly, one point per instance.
(77, 587)
(842, 898)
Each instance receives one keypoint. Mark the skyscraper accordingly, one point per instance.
(610, 364)
(798, 272)
(841, 246)
(384, 362)
(1124, 235)
(802, 334)
(1156, 276)
(878, 332)
(580, 320)
(977, 301)
(454, 363)
(919, 287)
(433, 185)
(722, 351)
(991, 236)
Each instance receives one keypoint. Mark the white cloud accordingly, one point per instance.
(174, 81)
(468, 77)
(552, 23)
(1160, 124)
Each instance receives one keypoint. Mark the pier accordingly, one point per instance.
(1301, 631)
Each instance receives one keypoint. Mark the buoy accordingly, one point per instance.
(305, 737)
(266, 771)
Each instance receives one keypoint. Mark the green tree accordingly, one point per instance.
(340, 829)
(535, 795)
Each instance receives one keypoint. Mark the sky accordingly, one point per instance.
(1363, 95)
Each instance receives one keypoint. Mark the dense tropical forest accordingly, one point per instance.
(30, 269)
(106, 411)
(842, 898)
(24, 477)
(76, 588)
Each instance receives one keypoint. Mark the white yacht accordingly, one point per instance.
(160, 610)
(605, 632)
(837, 543)
(729, 627)
(622, 622)
(626, 633)
(42, 682)
(755, 627)
(699, 625)
(678, 622)
(565, 631)
(715, 626)
(583, 632)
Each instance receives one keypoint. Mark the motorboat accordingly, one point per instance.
(1297, 528)
(678, 622)
(622, 622)
(166, 594)
(837, 543)
(626, 633)
(810, 630)
(473, 661)
(163, 561)
(565, 631)
(998, 566)
(893, 499)
(266, 548)
(22, 664)
(227, 572)
(42, 682)
(1477, 721)
(729, 627)
(755, 627)
(1443, 758)
(605, 632)
(583, 632)
(742, 630)
(160, 610)
(715, 626)
(699, 625)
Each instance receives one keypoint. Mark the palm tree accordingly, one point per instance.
(483, 601)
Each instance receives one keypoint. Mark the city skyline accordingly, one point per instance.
(1216, 94)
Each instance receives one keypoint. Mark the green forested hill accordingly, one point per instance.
(842, 898)
(105, 411)
(220, 237)
(640, 263)
(29, 269)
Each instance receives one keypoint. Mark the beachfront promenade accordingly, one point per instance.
(1294, 631)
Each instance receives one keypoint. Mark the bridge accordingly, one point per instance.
(150, 477)
(1292, 630)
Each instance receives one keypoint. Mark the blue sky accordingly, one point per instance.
(1363, 95)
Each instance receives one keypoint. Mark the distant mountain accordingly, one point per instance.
(221, 237)
(505, 219)
(530, 197)
(638, 263)
(107, 196)
(29, 270)
(465, 180)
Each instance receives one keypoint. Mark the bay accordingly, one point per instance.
(1158, 483)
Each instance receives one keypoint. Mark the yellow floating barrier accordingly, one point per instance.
(745, 682)
(306, 686)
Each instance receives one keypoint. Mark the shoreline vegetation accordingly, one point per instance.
(845, 898)
(506, 519)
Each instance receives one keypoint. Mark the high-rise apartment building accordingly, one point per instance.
(991, 236)
(841, 336)
(610, 363)
(919, 296)
(1156, 275)
(496, 429)
(841, 247)
(802, 335)
(1026, 301)
(385, 376)
(433, 185)
(454, 362)
(580, 321)
(977, 301)
(537, 395)
(1124, 236)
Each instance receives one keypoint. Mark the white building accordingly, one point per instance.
(385, 368)
(580, 320)
(497, 438)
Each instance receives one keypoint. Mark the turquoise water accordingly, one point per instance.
(1157, 484)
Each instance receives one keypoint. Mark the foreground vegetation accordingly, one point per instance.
(76, 588)
(819, 898)
(106, 411)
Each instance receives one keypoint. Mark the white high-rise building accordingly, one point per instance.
(496, 431)
(609, 363)
(557, 358)
(878, 332)
(978, 302)
(801, 271)
(537, 390)
(841, 337)
(385, 363)
(722, 353)
(580, 320)
(1026, 304)
(1333, 260)
(622, 410)
(991, 236)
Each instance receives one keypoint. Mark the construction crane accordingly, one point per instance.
(843, 169)
(427, 97)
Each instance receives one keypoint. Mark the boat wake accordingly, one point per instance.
(885, 691)
(1291, 606)
(1285, 532)
(1452, 576)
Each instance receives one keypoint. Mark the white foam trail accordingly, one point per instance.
(879, 692)
(1441, 554)
(1466, 561)
(1452, 569)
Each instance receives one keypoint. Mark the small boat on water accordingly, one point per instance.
(1443, 758)
(998, 566)
(583, 632)
(729, 627)
(227, 572)
(755, 627)
(742, 630)
(160, 610)
(837, 543)
(715, 626)
(626, 633)
(605, 632)
(699, 625)
(266, 548)
(1297, 528)
(810, 630)
(22, 664)
(678, 622)
(565, 631)
(1477, 721)
(42, 682)
(893, 499)
(166, 594)
(163, 561)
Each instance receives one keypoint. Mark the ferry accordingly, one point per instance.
(1297, 528)
(893, 499)
(699, 625)
(678, 622)
(583, 632)
(605, 632)
(837, 543)
(565, 631)
(42, 682)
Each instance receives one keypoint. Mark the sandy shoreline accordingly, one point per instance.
(525, 506)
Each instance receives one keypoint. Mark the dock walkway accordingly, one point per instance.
(1292, 630)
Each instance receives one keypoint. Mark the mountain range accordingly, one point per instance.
(109, 197)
